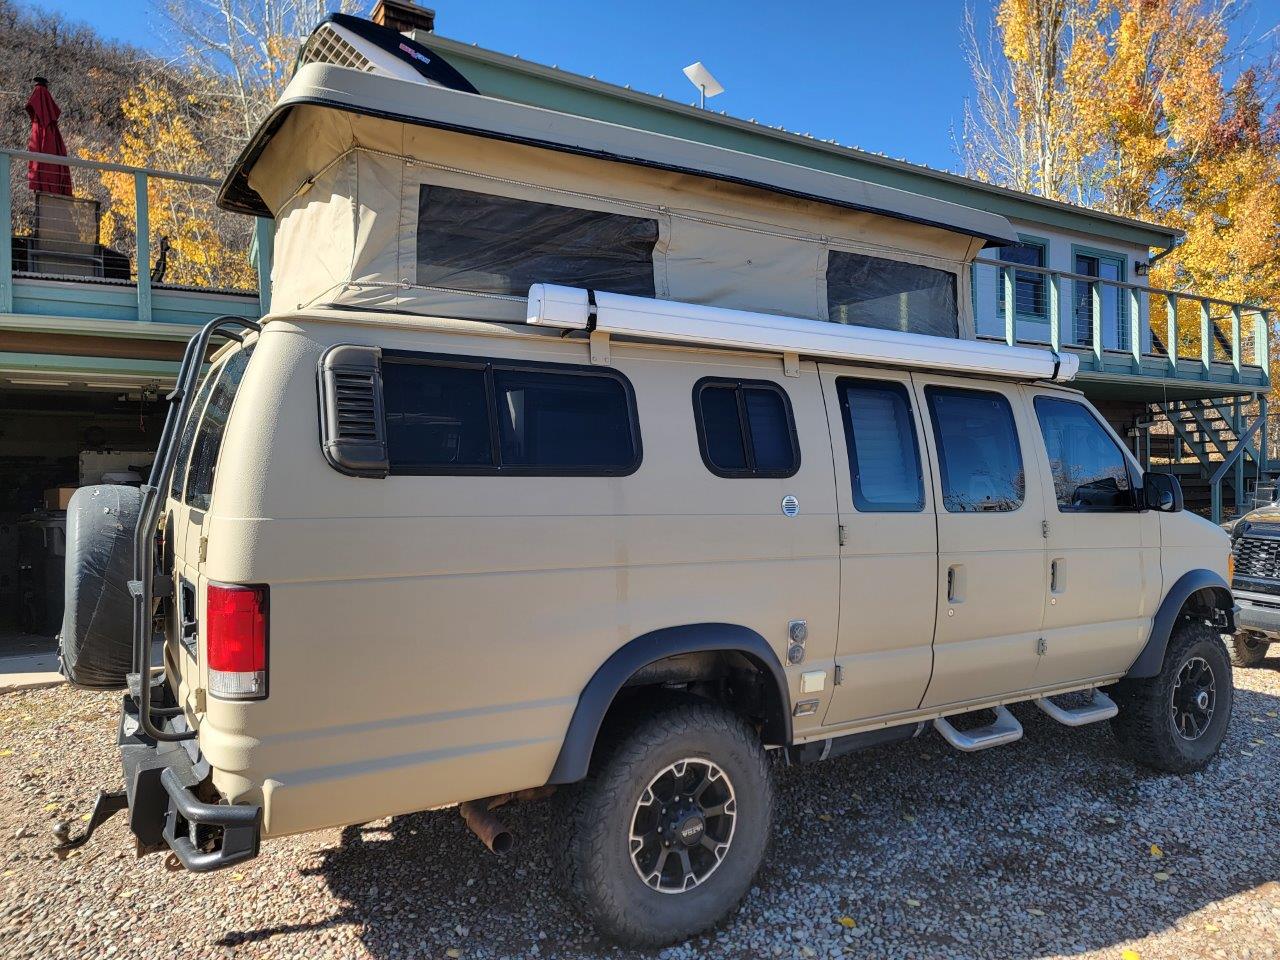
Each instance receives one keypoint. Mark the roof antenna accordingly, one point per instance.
(700, 77)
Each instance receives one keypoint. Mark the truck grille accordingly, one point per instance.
(1257, 558)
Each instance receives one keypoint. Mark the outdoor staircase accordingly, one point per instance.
(1213, 447)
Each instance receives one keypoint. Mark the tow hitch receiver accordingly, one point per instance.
(109, 802)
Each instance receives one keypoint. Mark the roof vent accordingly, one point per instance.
(353, 431)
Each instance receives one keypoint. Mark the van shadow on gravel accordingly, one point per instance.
(1033, 850)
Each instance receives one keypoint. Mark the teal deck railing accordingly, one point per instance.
(93, 257)
(1123, 329)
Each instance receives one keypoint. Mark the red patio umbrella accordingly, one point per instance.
(46, 138)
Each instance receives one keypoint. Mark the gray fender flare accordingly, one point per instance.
(599, 693)
(1151, 658)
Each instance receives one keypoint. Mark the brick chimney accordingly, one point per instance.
(404, 16)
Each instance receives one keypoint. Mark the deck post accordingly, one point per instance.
(1236, 327)
(1171, 319)
(1010, 313)
(1095, 298)
(6, 236)
(264, 240)
(1206, 339)
(1262, 344)
(1237, 427)
(1055, 312)
(1135, 329)
(142, 236)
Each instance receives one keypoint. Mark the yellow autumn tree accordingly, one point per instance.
(1150, 129)
(206, 247)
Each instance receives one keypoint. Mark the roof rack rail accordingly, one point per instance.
(642, 318)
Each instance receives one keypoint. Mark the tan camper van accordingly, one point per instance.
(582, 458)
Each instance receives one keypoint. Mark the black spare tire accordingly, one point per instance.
(97, 621)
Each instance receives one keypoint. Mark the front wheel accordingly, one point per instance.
(1176, 720)
(666, 835)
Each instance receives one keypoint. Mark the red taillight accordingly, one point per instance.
(236, 641)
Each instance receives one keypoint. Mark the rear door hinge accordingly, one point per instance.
(839, 677)
(204, 549)
(1044, 529)
(1042, 647)
(842, 534)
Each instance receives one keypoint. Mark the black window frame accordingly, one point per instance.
(1134, 482)
(488, 365)
(738, 385)
(846, 417)
(936, 389)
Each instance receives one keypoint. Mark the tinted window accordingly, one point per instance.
(189, 432)
(436, 415)
(562, 420)
(745, 429)
(1089, 471)
(478, 416)
(891, 295)
(488, 244)
(978, 453)
(884, 460)
(208, 440)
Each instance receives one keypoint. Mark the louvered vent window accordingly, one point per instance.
(354, 432)
(327, 46)
(884, 457)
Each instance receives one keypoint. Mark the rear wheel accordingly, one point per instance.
(1175, 721)
(1247, 651)
(666, 835)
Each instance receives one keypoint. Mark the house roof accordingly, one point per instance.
(512, 78)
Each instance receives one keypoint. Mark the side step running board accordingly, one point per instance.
(1100, 707)
(1004, 729)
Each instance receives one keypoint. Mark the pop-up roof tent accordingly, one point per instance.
(413, 196)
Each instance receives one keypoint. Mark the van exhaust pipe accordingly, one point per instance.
(491, 831)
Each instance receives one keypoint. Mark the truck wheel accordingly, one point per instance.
(1175, 721)
(666, 834)
(1248, 651)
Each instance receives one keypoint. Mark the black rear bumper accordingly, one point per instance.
(164, 809)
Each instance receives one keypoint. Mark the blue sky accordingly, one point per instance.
(885, 76)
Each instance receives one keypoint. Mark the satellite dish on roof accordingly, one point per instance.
(700, 77)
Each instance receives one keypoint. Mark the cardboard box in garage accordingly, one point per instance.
(57, 498)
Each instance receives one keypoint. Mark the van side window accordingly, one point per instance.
(1090, 473)
(880, 435)
(189, 431)
(745, 428)
(475, 416)
(208, 442)
(499, 245)
(979, 458)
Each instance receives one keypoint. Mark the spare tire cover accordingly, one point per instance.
(97, 622)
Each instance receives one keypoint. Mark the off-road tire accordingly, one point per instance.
(598, 813)
(1145, 725)
(1247, 651)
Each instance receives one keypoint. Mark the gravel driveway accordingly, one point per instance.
(1051, 847)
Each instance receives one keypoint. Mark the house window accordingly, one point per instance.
(745, 428)
(497, 245)
(1113, 301)
(1030, 294)
(891, 295)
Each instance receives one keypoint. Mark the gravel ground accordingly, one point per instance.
(1051, 847)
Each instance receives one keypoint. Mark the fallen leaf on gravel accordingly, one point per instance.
(1035, 913)
(1259, 743)
(237, 876)
(51, 806)
(1111, 820)
(6, 752)
(1272, 713)
(453, 952)
(1210, 928)
(824, 817)
(848, 922)
(1129, 955)
(910, 818)
(1245, 753)
(85, 817)
(1161, 877)
(912, 903)
(1156, 851)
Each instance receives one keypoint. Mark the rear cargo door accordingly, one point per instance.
(889, 544)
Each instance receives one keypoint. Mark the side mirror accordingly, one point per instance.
(1161, 491)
